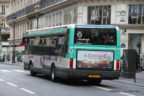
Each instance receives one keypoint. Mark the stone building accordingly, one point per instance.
(4, 28)
(33, 14)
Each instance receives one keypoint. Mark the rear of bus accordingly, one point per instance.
(94, 52)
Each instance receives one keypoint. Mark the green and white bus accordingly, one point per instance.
(90, 52)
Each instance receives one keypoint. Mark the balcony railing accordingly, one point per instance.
(29, 9)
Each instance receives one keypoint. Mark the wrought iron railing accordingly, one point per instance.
(29, 9)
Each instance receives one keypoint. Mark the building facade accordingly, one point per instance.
(4, 28)
(33, 14)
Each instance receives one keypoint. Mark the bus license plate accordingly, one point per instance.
(94, 76)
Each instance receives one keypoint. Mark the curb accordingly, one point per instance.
(128, 83)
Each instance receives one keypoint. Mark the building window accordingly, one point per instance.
(50, 21)
(99, 14)
(3, 9)
(54, 19)
(3, 24)
(136, 14)
(47, 21)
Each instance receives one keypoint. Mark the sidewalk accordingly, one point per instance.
(10, 63)
(139, 80)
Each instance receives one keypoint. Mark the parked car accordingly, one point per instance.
(142, 61)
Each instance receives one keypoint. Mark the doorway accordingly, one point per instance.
(135, 42)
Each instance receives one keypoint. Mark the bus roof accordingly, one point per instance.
(61, 29)
(75, 25)
(94, 26)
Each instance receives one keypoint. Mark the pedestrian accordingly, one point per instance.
(8, 58)
(137, 62)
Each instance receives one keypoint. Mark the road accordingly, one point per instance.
(14, 81)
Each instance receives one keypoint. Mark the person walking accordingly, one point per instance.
(138, 63)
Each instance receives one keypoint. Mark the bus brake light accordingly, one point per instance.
(117, 65)
(71, 63)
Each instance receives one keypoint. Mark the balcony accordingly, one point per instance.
(30, 9)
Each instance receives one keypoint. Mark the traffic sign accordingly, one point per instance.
(123, 45)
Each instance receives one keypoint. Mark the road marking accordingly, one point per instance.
(28, 91)
(123, 93)
(11, 84)
(104, 88)
(19, 70)
(16, 70)
(3, 70)
(2, 80)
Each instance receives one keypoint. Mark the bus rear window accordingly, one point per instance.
(96, 36)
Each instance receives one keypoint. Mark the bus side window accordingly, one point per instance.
(53, 42)
(37, 40)
(65, 50)
(60, 45)
(42, 41)
(27, 46)
(48, 41)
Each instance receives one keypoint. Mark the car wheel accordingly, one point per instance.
(53, 77)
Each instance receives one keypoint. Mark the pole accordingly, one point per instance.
(13, 58)
(139, 47)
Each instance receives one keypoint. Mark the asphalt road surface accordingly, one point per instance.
(14, 81)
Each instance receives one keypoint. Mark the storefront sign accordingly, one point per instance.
(122, 13)
(122, 19)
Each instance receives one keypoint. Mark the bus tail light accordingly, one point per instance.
(71, 63)
(118, 65)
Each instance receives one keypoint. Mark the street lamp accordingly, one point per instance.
(13, 57)
(37, 7)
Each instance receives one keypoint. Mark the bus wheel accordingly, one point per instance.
(94, 81)
(53, 77)
(31, 71)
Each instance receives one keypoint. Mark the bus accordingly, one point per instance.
(76, 51)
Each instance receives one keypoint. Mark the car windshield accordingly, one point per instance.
(95, 36)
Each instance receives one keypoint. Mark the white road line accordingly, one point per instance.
(11, 84)
(104, 88)
(2, 80)
(19, 70)
(28, 91)
(123, 93)
(3, 70)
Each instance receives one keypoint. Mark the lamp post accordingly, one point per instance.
(37, 7)
(13, 53)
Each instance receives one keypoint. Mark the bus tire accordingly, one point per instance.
(94, 81)
(53, 76)
(31, 71)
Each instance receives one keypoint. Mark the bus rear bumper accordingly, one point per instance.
(86, 74)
